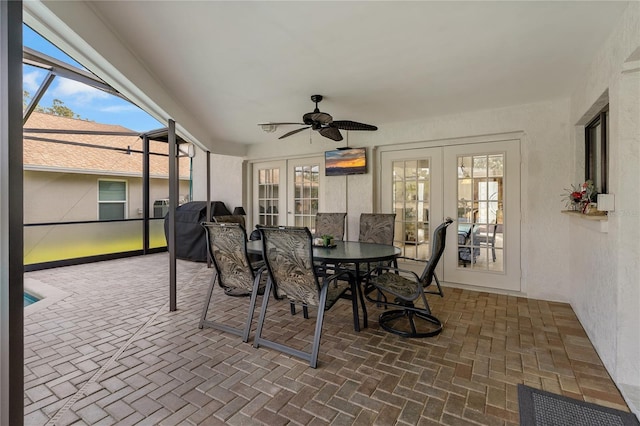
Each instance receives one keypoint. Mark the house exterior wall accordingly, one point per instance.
(604, 268)
(68, 197)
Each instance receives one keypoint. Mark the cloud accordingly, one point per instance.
(31, 81)
(119, 108)
(79, 93)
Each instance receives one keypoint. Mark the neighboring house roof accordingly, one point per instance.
(52, 156)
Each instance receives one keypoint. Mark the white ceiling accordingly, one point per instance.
(232, 65)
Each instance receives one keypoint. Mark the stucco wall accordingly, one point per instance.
(604, 267)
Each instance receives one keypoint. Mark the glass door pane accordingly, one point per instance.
(269, 205)
(306, 177)
(305, 198)
(480, 198)
(268, 196)
(411, 187)
(410, 192)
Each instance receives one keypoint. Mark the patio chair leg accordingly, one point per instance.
(252, 305)
(379, 298)
(365, 316)
(203, 317)
(439, 292)
(305, 310)
(412, 322)
(313, 362)
(263, 311)
(354, 305)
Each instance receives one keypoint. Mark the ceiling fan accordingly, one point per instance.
(321, 122)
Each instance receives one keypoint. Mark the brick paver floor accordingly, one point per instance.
(110, 352)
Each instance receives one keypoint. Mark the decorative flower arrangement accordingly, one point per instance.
(579, 197)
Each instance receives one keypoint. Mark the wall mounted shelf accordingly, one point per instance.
(593, 222)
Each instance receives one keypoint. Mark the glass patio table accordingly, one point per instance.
(347, 252)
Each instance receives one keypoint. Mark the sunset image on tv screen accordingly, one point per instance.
(345, 162)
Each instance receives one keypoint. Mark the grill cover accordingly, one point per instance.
(191, 241)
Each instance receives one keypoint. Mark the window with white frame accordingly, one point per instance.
(112, 199)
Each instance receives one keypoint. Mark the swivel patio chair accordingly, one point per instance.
(227, 248)
(288, 254)
(407, 287)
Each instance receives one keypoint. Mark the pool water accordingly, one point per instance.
(29, 299)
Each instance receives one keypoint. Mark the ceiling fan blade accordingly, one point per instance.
(278, 124)
(293, 132)
(331, 133)
(319, 117)
(352, 125)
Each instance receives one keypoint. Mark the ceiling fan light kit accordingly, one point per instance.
(321, 122)
(268, 127)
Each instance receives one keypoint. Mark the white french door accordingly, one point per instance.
(411, 182)
(288, 192)
(269, 193)
(477, 185)
(482, 192)
(304, 188)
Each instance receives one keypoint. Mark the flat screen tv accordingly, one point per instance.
(351, 161)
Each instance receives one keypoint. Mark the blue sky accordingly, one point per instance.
(87, 102)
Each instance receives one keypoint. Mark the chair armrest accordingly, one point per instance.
(413, 259)
(403, 284)
(338, 274)
(400, 271)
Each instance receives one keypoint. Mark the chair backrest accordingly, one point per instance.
(377, 228)
(330, 224)
(493, 234)
(228, 250)
(288, 254)
(437, 248)
(229, 218)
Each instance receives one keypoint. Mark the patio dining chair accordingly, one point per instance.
(488, 239)
(326, 224)
(406, 287)
(230, 218)
(288, 254)
(377, 228)
(330, 224)
(234, 272)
